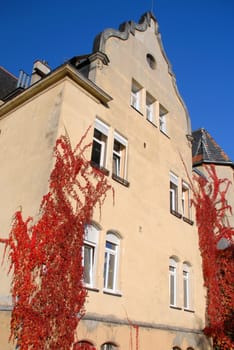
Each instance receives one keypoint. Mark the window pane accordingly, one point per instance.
(116, 164)
(173, 197)
(172, 290)
(186, 289)
(96, 152)
(88, 263)
(111, 272)
(110, 245)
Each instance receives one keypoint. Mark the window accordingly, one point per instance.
(151, 61)
(162, 119)
(83, 345)
(150, 108)
(99, 149)
(119, 156)
(185, 200)
(111, 261)
(90, 254)
(172, 281)
(136, 95)
(173, 193)
(186, 285)
(109, 346)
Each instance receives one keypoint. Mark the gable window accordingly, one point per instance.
(172, 281)
(162, 119)
(186, 285)
(111, 261)
(150, 108)
(119, 156)
(99, 149)
(136, 92)
(109, 346)
(185, 200)
(90, 254)
(173, 193)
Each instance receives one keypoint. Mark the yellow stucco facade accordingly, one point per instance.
(127, 92)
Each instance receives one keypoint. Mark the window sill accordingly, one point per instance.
(92, 288)
(137, 110)
(112, 292)
(120, 180)
(188, 310)
(164, 133)
(190, 222)
(175, 307)
(100, 168)
(175, 213)
(152, 123)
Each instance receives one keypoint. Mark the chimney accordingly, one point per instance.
(40, 70)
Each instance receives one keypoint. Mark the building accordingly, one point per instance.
(206, 151)
(143, 262)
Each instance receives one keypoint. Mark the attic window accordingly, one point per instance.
(151, 61)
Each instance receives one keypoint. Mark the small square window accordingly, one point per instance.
(119, 156)
(150, 108)
(99, 149)
(185, 200)
(136, 91)
(173, 193)
(111, 261)
(162, 119)
(89, 253)
(173, 282)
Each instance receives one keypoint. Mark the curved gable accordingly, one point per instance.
(124, 32)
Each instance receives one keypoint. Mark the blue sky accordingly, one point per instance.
(198, 37)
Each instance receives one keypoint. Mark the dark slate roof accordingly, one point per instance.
(206, 150)
(8, 82)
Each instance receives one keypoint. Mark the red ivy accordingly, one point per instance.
(218, 265)
(46, 256)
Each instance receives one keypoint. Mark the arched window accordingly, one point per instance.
(90, 254)
(109, 346)
(111, 261)
(173, 281)
(176, 348)
(83, 345)
(187, 285)
(189, 348)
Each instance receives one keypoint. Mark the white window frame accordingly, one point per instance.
(91, 236)
(121, 164)
(185, 204)
(136, 92)
(186, 286)
(150, 108)
(174, 180)
(173, 277)
(104, 130)
(163, 119)
(114, 240)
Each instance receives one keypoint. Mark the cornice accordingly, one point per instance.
(124, 31)
(64, 71)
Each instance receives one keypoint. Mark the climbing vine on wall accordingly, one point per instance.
(46, 256)
(218, 264)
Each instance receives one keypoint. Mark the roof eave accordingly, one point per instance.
(58, 74)
(223, 163)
